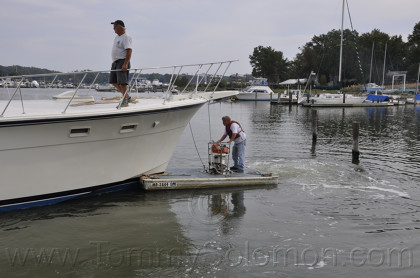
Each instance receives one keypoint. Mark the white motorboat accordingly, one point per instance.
(372, 88)
(257, 93)
(105, 87)
(54, 150)
(414, 100)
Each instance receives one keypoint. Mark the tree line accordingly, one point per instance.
(321, 55)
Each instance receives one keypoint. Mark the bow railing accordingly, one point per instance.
(202, 70)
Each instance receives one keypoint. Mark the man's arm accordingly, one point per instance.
(127, 59)
(233, 138)
(223, 138)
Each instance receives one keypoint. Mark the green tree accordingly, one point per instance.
(223, 83)
(322, 55)
(268, 63)
(396, 53)
(414, 52)
(182, 82)
(365, 42)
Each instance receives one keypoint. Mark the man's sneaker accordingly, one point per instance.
(124, 103)
(130, 100)
(233, 168)
(239, 170)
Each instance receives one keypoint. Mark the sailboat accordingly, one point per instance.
(372, 87)
(342, 99)
(336, 100)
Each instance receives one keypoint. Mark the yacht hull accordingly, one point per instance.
(49, 160)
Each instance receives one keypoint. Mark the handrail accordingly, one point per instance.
(75, 92)
(96, 71)
(130, 85)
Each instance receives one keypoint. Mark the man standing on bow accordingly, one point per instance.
(121, 55)
(236, 134)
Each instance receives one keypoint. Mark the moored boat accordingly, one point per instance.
(257, 93)
(54, 150)
(414, 100)
(333, 100)
(347, 100)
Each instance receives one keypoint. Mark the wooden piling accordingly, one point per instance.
(344, 97)
(290, 98)
(356, 134)
(271, 97)
(314, 125)
(278, 97)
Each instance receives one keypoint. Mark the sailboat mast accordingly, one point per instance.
(371, 63)
(417, 83)
(341, 44)
(383, 72)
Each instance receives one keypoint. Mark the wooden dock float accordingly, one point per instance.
(196, 178)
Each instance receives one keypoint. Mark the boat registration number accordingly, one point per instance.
(163, 184)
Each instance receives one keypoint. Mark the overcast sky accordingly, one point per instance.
(69, 35)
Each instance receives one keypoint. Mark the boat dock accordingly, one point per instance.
(198, 178)
(366, 104)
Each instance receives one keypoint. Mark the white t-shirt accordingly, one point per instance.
(235, 128)
(120, 46)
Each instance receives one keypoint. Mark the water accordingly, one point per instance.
(327, 217)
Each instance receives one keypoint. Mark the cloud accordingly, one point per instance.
(69, 35)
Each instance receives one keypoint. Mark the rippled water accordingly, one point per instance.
(327, 217)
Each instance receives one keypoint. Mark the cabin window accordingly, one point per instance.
(127, 128)
(79, 132)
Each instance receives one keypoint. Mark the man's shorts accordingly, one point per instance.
(119, 77)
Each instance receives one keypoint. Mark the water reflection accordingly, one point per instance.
(229, 206)
(111, 235)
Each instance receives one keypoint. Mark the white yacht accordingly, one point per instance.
(55, 150)
(327, 99)
(257, 93)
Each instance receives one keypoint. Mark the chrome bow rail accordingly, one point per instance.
(201, 69)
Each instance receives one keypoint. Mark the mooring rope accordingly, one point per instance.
(208, 111)
(195, 145)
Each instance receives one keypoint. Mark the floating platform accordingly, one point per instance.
(196, 178)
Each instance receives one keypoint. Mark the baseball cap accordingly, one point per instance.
(118, 22)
